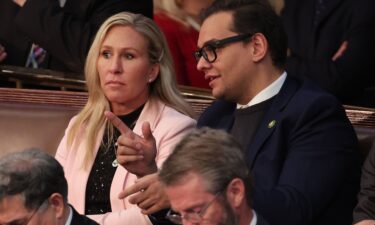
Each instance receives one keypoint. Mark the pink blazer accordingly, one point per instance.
(168, 127)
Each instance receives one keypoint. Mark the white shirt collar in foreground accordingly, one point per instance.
(70, 217)
(267, 93)
(62, 3)
(254, 220)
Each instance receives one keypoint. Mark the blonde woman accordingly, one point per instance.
(129, 72)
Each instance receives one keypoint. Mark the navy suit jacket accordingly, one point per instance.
(79, 219)
(303, 157)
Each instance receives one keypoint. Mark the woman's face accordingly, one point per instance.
(125, 70)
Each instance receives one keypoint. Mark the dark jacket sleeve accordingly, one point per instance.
(66, 34)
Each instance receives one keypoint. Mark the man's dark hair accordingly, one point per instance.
(34, 175)
(255, 16)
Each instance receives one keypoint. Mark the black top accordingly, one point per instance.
(102, 172)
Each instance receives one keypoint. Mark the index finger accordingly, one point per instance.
(117, 122)
(136, 187)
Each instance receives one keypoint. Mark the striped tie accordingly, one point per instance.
(36, 56)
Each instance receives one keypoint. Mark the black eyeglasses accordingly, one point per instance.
(192, 217)
(208, 51)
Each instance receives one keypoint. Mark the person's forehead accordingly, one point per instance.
(216, 26)
(11, 208)
(188, 193)
(124, 37)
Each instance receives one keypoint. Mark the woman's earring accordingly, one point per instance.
(150, 80)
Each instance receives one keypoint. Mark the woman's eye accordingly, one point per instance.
(106, 54)
(128, 56)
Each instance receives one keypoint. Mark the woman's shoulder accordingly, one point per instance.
(157, 113)
(173, 114)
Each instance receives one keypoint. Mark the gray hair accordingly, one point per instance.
(34, 175)
(212, 154)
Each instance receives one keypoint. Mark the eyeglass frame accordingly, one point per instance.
(177, 218)
(35, 211)
(218, 44)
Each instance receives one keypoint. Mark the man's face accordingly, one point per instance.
(13, 212)
(230, 75)
(213, 209)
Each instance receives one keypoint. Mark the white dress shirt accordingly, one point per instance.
(70, 217)
(254, 220)
(267, 93)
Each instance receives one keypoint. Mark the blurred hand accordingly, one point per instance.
(20, 2)
(340, 51)
(135, 153)
(149, 194)
(3, 54)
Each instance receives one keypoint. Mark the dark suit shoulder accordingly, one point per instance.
(309, 95)
(217, 110)
(261, 220)
(79, 219)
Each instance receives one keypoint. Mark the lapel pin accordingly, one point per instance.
(272, 124)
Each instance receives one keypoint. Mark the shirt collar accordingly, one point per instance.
(254, 220)
(267, 93)
(62, 3)
(70, 217)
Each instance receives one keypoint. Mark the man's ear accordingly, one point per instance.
(57, 203)
(259, 47)
(236, 193)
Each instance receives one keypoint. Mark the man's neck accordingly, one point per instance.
(246, 215)
(265, 75)
(68, 214)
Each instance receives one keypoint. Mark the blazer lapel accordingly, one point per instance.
(270, 120)
(226, 122)
(331, 5)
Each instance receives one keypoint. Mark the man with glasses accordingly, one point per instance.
(208, 182)
(33, 191)
(297, 140)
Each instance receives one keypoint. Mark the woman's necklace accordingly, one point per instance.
(115, 161)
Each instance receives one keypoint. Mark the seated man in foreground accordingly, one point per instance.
(208, 167)
(33, 190)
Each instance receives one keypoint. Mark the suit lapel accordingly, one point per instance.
(271, 119)
(331, 5)
(226, 122)
(78, 219)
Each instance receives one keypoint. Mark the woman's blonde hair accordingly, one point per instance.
(164, 87)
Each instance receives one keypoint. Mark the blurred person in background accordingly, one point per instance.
(332, 43)
(57, 34)
(179, 21)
